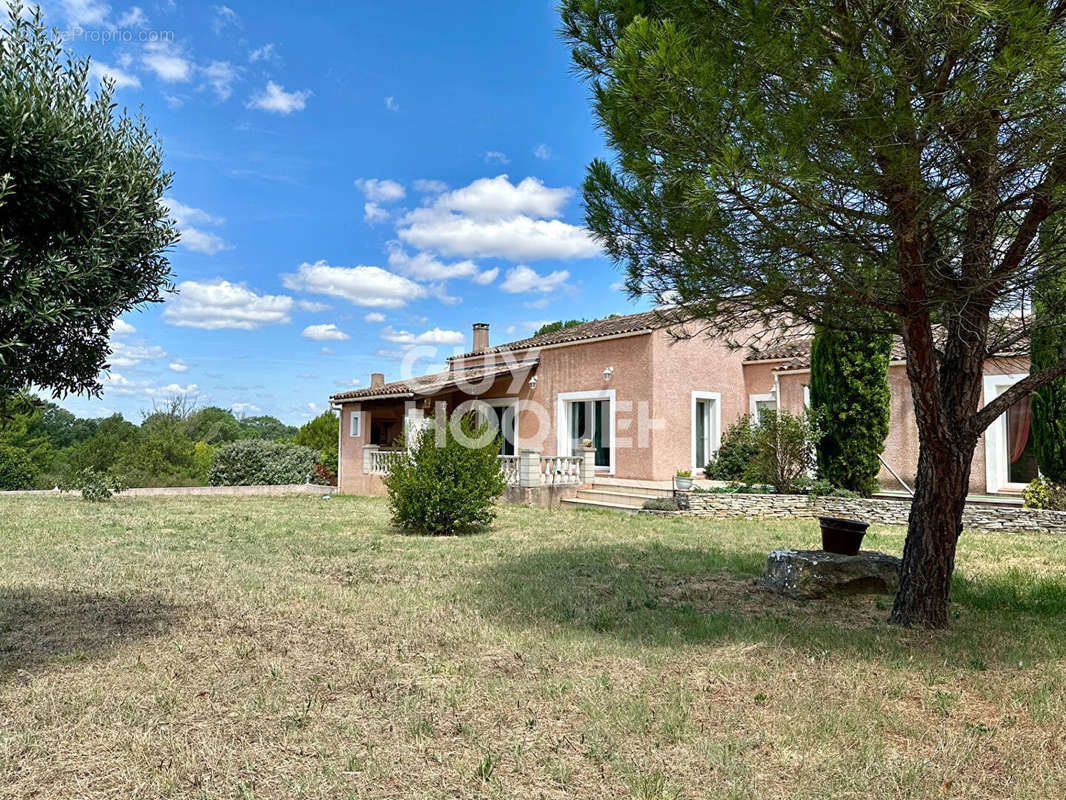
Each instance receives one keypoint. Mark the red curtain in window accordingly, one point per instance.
(1019, 417)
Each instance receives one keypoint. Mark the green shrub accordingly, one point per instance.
(97, 487)
(660, 504)
(736, 454)
(1045, 494)
(446, 488)
(784, 451)
(16, 469)
(736, 488)
(261, 462)
(823, 488)
(851, 396)
(321, 435)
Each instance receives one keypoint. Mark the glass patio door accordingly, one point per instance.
(590, 419)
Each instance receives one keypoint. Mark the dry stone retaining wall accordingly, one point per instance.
(878, 512)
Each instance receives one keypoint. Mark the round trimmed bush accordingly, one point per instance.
(446, 488)
(16, 469)
(261, 462)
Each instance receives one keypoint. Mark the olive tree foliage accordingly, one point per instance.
(83, 231)
(881, 168)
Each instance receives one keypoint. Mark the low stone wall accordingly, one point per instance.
(296, 488)
(877, 512)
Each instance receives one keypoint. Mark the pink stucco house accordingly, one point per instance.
(651, 402)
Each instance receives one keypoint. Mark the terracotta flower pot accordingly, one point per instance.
(842, 536)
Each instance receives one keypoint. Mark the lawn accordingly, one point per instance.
(300, 648)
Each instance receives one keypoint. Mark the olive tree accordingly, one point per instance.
(83, 231)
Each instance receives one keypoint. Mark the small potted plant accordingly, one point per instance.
(586, 443)
(683, 480)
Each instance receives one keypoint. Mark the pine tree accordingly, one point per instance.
(851, 398)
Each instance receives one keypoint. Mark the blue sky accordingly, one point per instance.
(356, 182)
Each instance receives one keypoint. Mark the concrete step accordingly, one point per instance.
(632, 488)
(618, 497)
(576, 502)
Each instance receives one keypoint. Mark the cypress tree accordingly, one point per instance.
(851, 396)
(1047, 348)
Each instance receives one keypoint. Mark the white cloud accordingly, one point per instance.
(122, 328)
(130, 354)
(265, 53)
(496, 157)
(244, 408)
(374, 316)
(391, 104)
(219, 304)
(167, 61)
(86, 13)
(120, 77)
(494, 218)
(276, 100)
(179, 366)
(220, 77)
(427, 186)
(192, 237)
(173, 388)
(202, 241)
(523, 279)
(424, 267)
(518, 239)
(373, 213)
(224, 16)
(434, 336)
(325, 333)
(542, 151)
(186, 215)
(328, 351)
(381, 190)
(498, 198)
(486, 277)
(134, 18)
(362, 286)
(311, 305)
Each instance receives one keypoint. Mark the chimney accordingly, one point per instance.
(377, 380)
(481, 337)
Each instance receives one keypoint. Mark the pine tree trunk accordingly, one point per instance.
(933, 532)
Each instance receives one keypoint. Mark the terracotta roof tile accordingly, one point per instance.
(433, 384)
(596, 329)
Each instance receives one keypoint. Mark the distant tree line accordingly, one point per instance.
(43, 445)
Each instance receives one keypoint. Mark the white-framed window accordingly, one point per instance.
(1010, 463)
(587, 415)
(706, 420)
(355, 425)
(758, 403)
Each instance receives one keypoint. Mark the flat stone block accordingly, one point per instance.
(816, 573)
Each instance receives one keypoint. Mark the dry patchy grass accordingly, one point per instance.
(295, 648)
